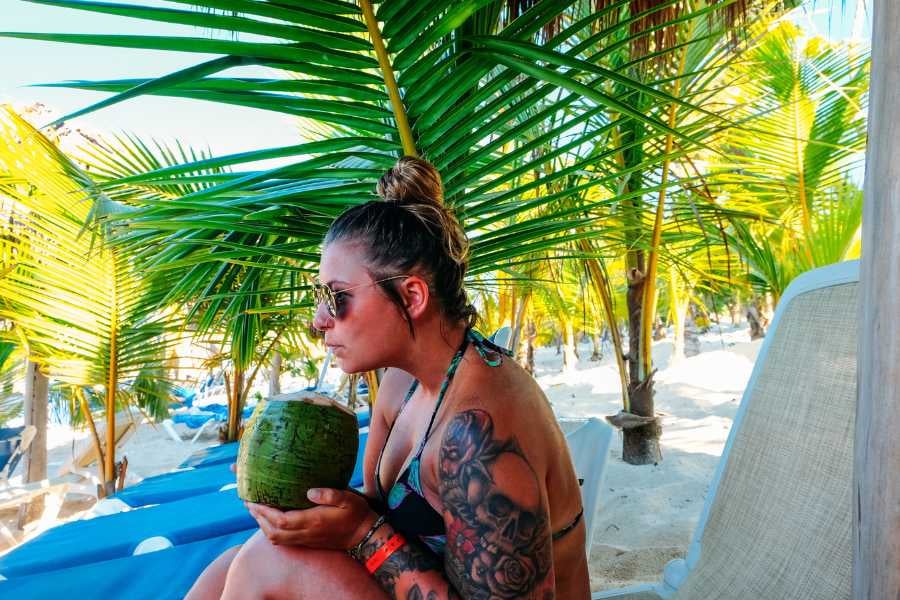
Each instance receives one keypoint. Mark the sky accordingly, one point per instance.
(199, 124)
(202, 125)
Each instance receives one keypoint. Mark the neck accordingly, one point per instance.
(430, 352)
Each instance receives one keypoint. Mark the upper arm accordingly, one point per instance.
(391, 391)
(495, 509)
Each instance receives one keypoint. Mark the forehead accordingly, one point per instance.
(344, 262)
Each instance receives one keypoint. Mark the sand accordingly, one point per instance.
(647, 513)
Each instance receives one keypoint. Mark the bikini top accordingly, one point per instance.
(407, 508)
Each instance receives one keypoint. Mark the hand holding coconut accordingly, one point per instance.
(338, 521)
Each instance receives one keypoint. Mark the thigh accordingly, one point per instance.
(264, 570)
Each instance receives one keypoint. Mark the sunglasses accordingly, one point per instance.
(323, 293)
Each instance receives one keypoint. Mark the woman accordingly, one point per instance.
(469, 488)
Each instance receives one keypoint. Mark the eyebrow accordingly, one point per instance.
(334, 281)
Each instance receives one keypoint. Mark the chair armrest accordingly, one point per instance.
(675, 573)
(633, 592)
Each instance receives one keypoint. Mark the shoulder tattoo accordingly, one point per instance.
(498, 539)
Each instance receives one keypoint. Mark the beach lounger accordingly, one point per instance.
(169, 487)
(589, 446)
(202, 479)
(200, 418)
(85, 452)
(213, 455)
(14, 443)
(777, 520)
(163, 575)
(117, 535)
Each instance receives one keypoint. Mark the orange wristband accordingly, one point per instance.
(382, 554)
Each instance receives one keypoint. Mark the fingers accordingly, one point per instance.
(278, 526)
(326, 496)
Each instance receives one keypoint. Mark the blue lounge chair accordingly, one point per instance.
(204, 478)
(169, 487)
(164, 575)
(117, 535)
(214, 455)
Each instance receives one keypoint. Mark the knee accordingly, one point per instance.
(262, 569)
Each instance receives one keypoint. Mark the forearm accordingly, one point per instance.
(411, 572)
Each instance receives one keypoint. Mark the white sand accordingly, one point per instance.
(647, 514)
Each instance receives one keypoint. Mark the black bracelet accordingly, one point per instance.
(356, 551)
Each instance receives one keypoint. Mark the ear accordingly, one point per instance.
(415, 294)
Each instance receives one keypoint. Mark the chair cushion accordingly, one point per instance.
(780, 524)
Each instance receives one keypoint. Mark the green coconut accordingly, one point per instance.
(294, 442)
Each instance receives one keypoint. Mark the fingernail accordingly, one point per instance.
(313, 494)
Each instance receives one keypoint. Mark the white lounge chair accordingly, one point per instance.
(777, 519)
(85, 452)
(21, 443)
(13, 495)
(589, 447)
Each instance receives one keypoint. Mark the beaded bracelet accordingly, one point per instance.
(382, 554)
(356, 551)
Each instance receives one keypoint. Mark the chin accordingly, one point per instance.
(350, 366)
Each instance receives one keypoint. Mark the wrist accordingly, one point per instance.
(368, 527)
(364, 527)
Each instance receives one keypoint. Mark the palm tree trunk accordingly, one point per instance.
(570, 353)
(86, 410)
(275, 374)
(111, 386)
(518, 322)
(235, 406)
(35, 464)
(640, 442)
(678, 302)
(530, 335)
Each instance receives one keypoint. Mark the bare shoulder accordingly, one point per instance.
(516, 403)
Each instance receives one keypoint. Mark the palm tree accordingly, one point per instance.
(790, 164)
(475, 87)
(77, 306)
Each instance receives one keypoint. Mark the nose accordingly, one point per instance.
(321, 319)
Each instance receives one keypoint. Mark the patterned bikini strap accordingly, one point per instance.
(491, 353)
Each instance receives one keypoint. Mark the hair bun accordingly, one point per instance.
(412, 181)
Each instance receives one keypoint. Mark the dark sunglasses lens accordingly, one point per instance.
(323, 293)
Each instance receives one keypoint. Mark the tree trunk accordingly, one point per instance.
(597, 347)
(659, 330)
(235, 406)
(678, 323)
(757, 321)
(275, 374)
(518, 322)
(570, 353)
(640, 445)
(34, 466)
(876, 485)
(530, 335)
